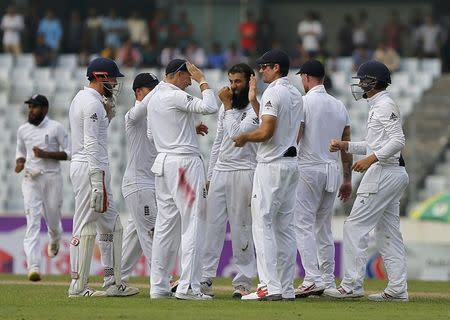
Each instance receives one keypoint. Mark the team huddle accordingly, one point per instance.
(273, 175)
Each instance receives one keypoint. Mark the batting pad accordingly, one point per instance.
(111, 254)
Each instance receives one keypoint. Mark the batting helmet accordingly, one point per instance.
(372, 75)
(103, 66)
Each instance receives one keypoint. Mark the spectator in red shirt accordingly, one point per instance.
(393, 32)
(248, 30)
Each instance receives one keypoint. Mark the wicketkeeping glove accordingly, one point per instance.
(99, 197)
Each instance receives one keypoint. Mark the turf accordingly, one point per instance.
(20, 299)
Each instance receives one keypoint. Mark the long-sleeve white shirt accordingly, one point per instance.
(385, 135)
(141, 150)
(283, 101)
(49, 135)
(224, 155)
(170, 118)
(89, 129)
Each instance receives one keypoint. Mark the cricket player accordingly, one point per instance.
(276, 178)
(325, 118)
(230, 179)
(41, 144)
(377, 205)
(89, 172)
(180, 180)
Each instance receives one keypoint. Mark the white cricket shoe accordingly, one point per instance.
(306, 290)
(261, 293)
(88, 293)
(206, 287)
(340, 293)
(383, 296)
(240, 291)
(121, 290)
(52, 249)
(190, 295)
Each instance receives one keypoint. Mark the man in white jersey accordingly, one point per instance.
(325, 118)
(276, 178)
(377, 205)
(41, 144)
(89, 172)
(230, 179)
(138, 185)
(180, 180)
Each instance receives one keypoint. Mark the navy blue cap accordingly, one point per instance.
(176, 65)
(274, 56)
(146, 79)
(312, 68)
(38, 100)
(103, 65)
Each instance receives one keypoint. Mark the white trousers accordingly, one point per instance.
(138, 235)
(272, 205)
(229, 199)
(181, 199)
(380, 211)
(313, 214)
(42, 197)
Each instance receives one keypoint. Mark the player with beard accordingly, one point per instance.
(230, 180)
(41, 144)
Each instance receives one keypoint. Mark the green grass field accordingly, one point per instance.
(23, 300)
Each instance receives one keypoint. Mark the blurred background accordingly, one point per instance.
(46, 46)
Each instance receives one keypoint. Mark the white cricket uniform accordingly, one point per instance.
(42, 183)
(230, 174)
(274, 185)
(89, 129)
(180, 186)
(138, 189)
(377, 204)
(325, 119)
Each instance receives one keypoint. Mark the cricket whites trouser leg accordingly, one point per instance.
(389, 238)
(131, 250)
(32, 197)
(215, 224)
(52, 201)
(238, 196)
(309, 193)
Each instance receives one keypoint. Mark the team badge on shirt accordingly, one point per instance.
(94, 117)
(256, 120)
(244, 114)
(393, 116)
(189, 98)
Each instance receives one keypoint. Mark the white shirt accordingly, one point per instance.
(224, 155)
(310, 32)
(49, 135)
(141, 150)
(170, 118)
(12, 25)
(385, 135)
(325, 119)
(89, 129)
(282, 100)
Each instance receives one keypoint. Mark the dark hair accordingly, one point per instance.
(380, 85)
(284, 70)
(242, 68)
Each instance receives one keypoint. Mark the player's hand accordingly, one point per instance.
(195, 72)
(240, 140)
(364, 164)
(336, 145)
(20, 164)
(252, 88)
(99, 197)
(201, 129)
(345, 191)
(39, 153)
(226, 95)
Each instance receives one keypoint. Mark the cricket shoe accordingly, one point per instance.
(174, 285)
(306, 290)
(206, 287)
(261, 294)
(190, 295)
(240, 291)
(52, 249)
(88, 293)
(121, 290)
(34, 275)
(340, 293)
(383, 296)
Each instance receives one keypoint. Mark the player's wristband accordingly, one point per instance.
(202, 83)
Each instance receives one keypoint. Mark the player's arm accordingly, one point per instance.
(216, 146)
(264, 132)
(54, 155)
(233, 125)
(345, 190)
(252, 93)
(21, 153)
(301, 132)
(391, 122)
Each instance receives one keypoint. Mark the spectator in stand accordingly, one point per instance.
(195, 54)
(414, 24)
(75, 31)
(94, 31)
(12, 25)
(169, 53)
(310, 31)
(360, 55)
(393, 31)
(150, 55)
(266, 32)
(129, 56)
(388, 56)
(234, 56)
(42, 53)
(114, 28)
(138, 29)
(183, 31)
(431, 37)
(51, 29)
(345, 36)
(248, 30)
(216, 58)
(160, 28)
(361, 34)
